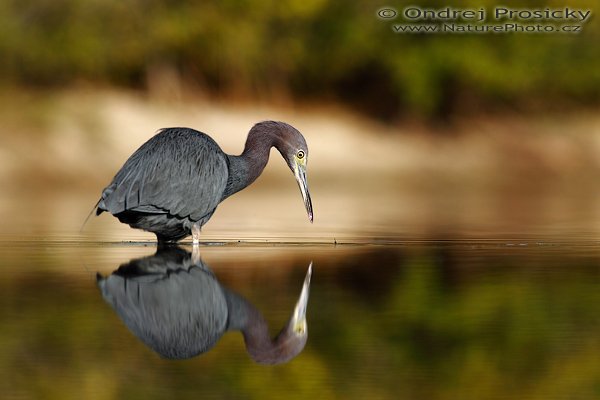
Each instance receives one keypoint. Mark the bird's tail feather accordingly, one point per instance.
(89, 215)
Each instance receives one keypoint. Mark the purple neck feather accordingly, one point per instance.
(243, 316)
(245, 168)
(265, 350)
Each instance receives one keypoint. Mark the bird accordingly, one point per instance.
(173, 183)
(176, 306)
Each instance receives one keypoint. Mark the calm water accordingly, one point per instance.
(412, 320)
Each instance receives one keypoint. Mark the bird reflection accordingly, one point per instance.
(174, 304)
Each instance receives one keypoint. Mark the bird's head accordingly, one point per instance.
(292, 146)
(291, 340)
(298, 320)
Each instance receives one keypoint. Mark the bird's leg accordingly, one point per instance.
(196, 255)
(196, 243)
(196, 233)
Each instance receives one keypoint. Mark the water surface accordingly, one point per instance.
(416, 320)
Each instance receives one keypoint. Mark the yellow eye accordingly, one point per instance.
(300, 154)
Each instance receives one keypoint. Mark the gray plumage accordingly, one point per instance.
(177, 178)
(156, 187)
(179, 309)
(176, 308)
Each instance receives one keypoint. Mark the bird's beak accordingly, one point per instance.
(299, 316)
(300, 174)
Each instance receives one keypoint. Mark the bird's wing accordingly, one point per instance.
(179, 171)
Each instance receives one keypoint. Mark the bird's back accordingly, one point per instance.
(179, 171)
(179, 314)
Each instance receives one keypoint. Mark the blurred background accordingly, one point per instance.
(410, 135)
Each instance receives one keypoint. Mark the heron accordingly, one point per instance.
(177, 307)
(172, 185)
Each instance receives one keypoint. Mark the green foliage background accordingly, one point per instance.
(325, 50)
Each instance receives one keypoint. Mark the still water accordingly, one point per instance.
(403, 320)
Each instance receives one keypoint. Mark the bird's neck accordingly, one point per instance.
(244, 317)
(245, 168)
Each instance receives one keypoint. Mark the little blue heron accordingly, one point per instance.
(178, 308)
(173, 183)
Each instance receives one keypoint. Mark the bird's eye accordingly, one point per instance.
(300, 154)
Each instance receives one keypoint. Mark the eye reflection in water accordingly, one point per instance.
(174, 304)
